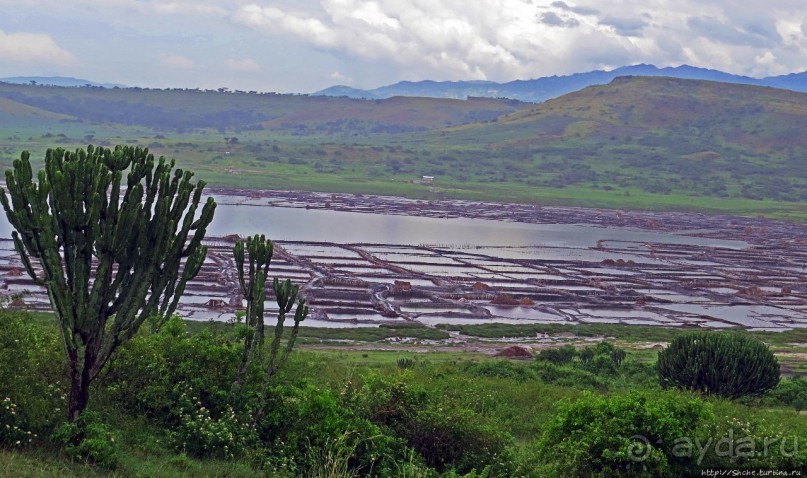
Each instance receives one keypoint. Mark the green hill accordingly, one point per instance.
(638, 142)
(182, 110)
(660, 135)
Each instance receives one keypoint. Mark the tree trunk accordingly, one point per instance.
(80, 380)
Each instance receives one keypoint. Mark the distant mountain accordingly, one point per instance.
(542, 89)
(56, 81)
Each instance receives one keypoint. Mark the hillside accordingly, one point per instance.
(183, 110)
(542, 89)
(637, 142)
(657, 135)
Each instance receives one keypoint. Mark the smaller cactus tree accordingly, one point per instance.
(728, 365)
(253, 288)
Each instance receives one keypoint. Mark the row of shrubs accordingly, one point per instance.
(375, 424)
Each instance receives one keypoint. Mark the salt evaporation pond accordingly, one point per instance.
(480, 243)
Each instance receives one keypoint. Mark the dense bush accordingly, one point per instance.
(630, 435)
(12, 428)
(569, 376)
(729, 365)
(144, 376)
(602, 359)
(592, 367)
(446, 435)
(31, 376)
(791, 392)
(749, 444)
(200, 434)
(561, 355)
(306, 426)
(88, 440)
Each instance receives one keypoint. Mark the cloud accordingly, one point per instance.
(277, 20)
(507, 39)
(188, 8)
(578, 10)
(33, 48)
(628, 27)
(553, 19)
(757, 35)
(340, 77)
(177, 61)
(243, 64)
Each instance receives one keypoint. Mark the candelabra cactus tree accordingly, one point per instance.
(113, 250)
(729, 365)
(253, 288)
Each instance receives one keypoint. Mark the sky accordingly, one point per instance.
(303, 46)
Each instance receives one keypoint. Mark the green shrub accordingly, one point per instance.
(12, 430)
(203, 435)
(457, 439)
(800, 402)
(445, 435)
(558, 356)
(750, 445)
(787, 392)
(308, 429)
(568, 376)
(729, 365)
(601, 359)
(32, 372)
(628, 435)
(404, 363)
(144, 376)
(88, 440)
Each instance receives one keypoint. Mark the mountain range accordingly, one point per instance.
(542, 89)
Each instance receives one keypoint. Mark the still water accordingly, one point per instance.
(287, 224)
(342, 227)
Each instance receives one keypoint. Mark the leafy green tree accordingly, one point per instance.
(728, 365)
(111, 251)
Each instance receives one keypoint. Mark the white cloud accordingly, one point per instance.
(188, 8)
(243, 64)
(275, 19)
(177, 61)
(508, 39)
(336, 76)
(33, 48)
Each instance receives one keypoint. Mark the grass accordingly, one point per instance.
(327, 334)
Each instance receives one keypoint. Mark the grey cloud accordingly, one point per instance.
(553, 19)
(804, 27)
(578, 10)
(712, 28)
(627, 27)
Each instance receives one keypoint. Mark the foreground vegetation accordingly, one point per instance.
(166, 407)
